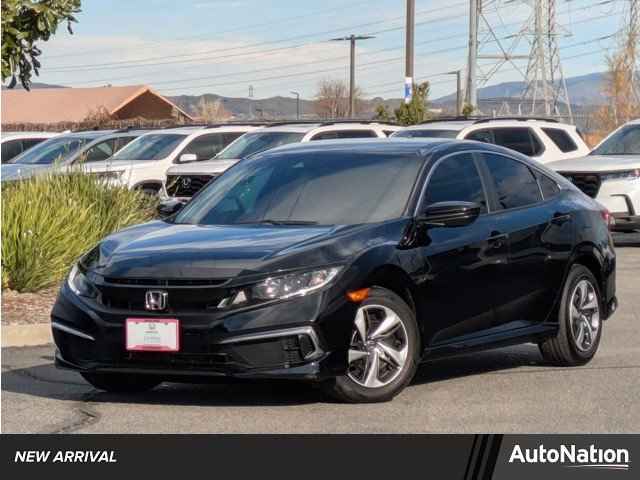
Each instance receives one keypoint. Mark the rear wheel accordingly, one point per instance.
(120, 382)
(580, 325)
(383, 353)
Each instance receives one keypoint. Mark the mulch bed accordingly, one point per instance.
(27, 308)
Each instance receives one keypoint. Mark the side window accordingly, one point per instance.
(514, 183)
(122, 141)
(521, 140)
(485, 136)
(336, 134)
(206, 146)
(388, 133)
(561, 138)
(456, 179)
(548, 186)
(27, 143)
(100, 151)
(10, 149)
(229, 137)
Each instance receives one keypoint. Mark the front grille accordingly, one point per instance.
(179, 299)
(154, 282)
(186, 185)
(589, 183)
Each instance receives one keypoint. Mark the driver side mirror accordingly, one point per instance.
(169, 207)
(188, 157)
(450, 214)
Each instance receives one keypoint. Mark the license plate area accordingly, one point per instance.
(152, 335)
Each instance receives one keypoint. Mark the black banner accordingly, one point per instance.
(467, 457)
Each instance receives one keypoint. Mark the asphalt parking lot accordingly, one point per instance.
(505, 390)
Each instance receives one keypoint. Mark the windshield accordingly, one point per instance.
(433, 133)
(150, 147)
(625, 141)
(251, 143)
(56, 149)
(292, 189)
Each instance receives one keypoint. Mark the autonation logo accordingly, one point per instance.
(573, 457)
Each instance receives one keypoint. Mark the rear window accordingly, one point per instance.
(427, 133)
(338, 134)
(561, 139)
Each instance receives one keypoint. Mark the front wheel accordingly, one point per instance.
(580, 325)
(120, 382)
(383, 353)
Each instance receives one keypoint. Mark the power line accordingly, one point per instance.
(136, 62)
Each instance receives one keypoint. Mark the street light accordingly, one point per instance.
(297, 104)
(352, 77)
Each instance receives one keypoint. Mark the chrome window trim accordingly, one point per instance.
(285, 332)
(437, 164)
(71, 331)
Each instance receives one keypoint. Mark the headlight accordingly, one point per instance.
(282, 287)
(622, 175)
(79, 284)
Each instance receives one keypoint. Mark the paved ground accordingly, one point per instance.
(506, 390)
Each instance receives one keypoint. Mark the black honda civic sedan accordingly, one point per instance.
(346, 263)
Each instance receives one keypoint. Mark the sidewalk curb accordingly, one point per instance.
(26, 335)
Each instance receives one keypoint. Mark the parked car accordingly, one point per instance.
(541, 139)
(143, 164)
(66, 152)
(346, 263)
(183, 181)
(14, 143)
(611, 175)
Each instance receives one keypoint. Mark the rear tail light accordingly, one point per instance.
(608, 218)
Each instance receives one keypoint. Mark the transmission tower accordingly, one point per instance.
(546, 89)
(531, 50)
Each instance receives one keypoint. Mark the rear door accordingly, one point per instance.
(539, 230)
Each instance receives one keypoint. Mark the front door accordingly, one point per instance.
(461, 264)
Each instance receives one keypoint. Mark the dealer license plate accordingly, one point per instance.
(155, 335)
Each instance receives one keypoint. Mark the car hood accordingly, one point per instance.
(17, 171)
(201, 168)
(596, 163)
(168, 251)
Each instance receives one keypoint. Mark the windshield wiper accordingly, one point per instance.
(269, 221)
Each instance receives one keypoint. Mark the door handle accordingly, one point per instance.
(561, 218)
(497, 240)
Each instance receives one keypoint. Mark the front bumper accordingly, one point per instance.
(281, 340)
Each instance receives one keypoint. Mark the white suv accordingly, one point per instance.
(183, 181)
(541, 139)
(611, 175)
(143, 163)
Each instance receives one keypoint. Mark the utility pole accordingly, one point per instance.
(472, 64)
(297, 94)
(409, 55)
(251, 102)
(458, 74)
(352, 67)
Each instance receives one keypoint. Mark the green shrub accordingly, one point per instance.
(49, 221)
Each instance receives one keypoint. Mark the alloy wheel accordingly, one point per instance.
(584, 315)
(379, 346)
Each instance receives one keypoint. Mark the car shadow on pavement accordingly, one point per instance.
(44, 380)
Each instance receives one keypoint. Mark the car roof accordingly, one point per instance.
(305, 127)
(191, 129)
(460, 124)
(29, 134)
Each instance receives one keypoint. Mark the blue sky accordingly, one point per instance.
(223, 46)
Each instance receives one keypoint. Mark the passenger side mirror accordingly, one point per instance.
(450, 214)
(169, 207)
(188, 157)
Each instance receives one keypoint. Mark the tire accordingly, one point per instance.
(403, 340)
(120, 382)
(565, 349)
